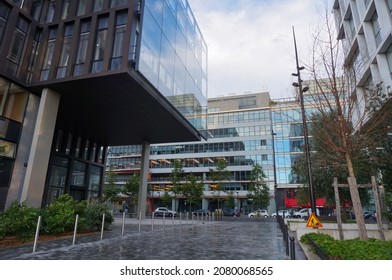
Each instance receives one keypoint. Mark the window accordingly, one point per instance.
(81, 7)
(49, 54)
(18, 38)
(51, 10)
(121, 21)
(390, 6)
(117, 3)
(98, 4)
(65, 11)
(78, 173)
(36, 8)
(376, 29)
(17, 43)
(65, 51)
(4, 11)
(100, 43)
(33, 56)
(82, 47)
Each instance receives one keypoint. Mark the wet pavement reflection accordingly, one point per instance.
(240, 239)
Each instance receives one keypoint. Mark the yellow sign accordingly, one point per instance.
(313, 222)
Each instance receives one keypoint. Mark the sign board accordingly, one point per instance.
(313, 222)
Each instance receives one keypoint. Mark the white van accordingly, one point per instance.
(303, 213)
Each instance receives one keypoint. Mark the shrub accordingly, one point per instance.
(19, 220)
(93, 215)
(355, 249)
(60, 215)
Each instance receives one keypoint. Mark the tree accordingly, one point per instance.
(132, 189)
(219, 175)
(258, 188)
(193, 190)
(111, 191)
(343, 109)
(176, 178)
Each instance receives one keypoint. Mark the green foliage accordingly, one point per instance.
(93, 215)
(19, 220)
(193, 189)
(218, 176)
(110, 190)
(355, 249)
(60, 216)
(258, 188)
(132, 188)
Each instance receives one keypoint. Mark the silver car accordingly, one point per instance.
(259, 213)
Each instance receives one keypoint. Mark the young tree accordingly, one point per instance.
(219, 175)
(193, 190)
(343, 109)
(258, 188)
(111, 191)
(176, 178)
(132, 189)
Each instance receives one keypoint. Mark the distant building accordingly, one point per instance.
(79, 76)
(243, 130)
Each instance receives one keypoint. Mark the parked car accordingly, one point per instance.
(160, 211)
(203, 212)
(228, 212)
(282, 213)
(259, 213)
(305, 212)
(368, 214)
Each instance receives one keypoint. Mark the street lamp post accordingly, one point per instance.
(273, 134)
(304, 127)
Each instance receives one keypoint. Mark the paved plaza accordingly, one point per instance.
(172, 239)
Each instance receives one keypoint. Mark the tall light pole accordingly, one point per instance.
(305, 128)
(273, 134)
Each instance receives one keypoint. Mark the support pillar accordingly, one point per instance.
(142, 198)
(37, 166)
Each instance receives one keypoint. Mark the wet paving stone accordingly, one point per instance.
(222, 240)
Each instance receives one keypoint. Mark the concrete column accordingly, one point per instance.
(37, 165)
(142, 198)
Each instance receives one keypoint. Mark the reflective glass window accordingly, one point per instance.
(81, 10)
(118, 44)
(82, 47)
(65, 51)
(4, 11)
(51, 11)
(100, 43)
(48, 54)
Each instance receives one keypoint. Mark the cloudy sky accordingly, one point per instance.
(250, 42)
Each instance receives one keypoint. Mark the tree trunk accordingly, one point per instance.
(352, 182)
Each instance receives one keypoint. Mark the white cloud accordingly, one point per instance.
(250, 43)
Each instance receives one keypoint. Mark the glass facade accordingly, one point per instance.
(173, 56)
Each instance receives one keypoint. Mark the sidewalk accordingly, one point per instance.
(166, 239)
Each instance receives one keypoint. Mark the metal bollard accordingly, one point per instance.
(103, 224)
(292, 248)
(286, 239)
(123, 224)
(75, 229)
(37, 233)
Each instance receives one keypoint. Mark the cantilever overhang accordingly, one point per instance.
(119, 109)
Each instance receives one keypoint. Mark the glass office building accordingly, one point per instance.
(79, 76)
(243, 130)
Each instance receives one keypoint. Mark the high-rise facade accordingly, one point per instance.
(79, 76)
(364, 29)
